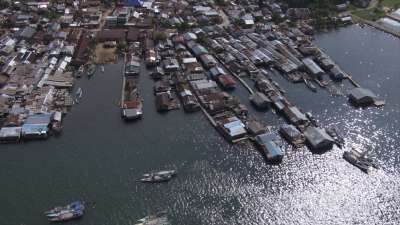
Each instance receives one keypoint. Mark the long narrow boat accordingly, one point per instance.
(80, 71)
(310, 85)
(70, 211)
(67, 216)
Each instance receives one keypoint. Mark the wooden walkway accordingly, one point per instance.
(376, 25)
(123, 83)
(251, 91)
(209, 117)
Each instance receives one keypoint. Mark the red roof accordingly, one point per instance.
(226, 80)
(131, 104)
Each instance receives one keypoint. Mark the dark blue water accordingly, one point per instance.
(99, 157)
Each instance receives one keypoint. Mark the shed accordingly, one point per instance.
(235, 129)
(190, 37)
(362, 97)
(318, 138)
(260, 100)
(111, 35)
(27, 33)
(199, 50)
(10, 134)
(226, 81)
(313, 67)
(295, 116)
(268, 144)
(132, 35)
(208, 60)
(255, 128)
(216, 71)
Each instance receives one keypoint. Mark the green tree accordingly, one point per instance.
(276, 18)
(160, 36)
(220, 2)
(182, 26)
(51, 15)
(121, 47)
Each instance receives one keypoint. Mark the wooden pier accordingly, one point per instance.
(123, 83)
(243, 82)
(376, 25)
(209, 117)
(352, 81)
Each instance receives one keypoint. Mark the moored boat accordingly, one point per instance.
(154, 220)
(80, 72)
(162, 173)
(91, 69)
(339, 140)
(158, 177)
(71, 211)
(359, 159)
(312, 119)
(70, 215)
(79, 93)
(310, 85)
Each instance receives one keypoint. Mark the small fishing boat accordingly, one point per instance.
(80, 71)
(310, 85)
(162, 173)
(91, 69)
(71, 211)
(79, 93)
(154, 220)
(102, 68)
(339, 140)
(66, 216)
(56, 127)
(359, 159)
(312, 119)
(158, 177)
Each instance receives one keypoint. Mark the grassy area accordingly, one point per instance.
(376, 12)
(369, 14)
(391, 3)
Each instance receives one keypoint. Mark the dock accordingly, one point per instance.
(352, 81)
(242, 82)
(209, 117)
(377, 26)
(123, 83)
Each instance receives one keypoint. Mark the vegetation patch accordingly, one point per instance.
(391, 3)
(369, 14)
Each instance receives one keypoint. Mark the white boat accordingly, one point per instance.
(310, 85)
(158, 177)
(161, 173)
(78, 93)
(102, 69)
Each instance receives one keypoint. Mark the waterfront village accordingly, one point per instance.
(196, 52)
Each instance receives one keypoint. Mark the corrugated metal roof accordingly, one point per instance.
(10, 132)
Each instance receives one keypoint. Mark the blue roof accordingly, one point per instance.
(133, 2)
(268, 141)
(42, 119)
(236, 123)
(34, 128)
(273, 149)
